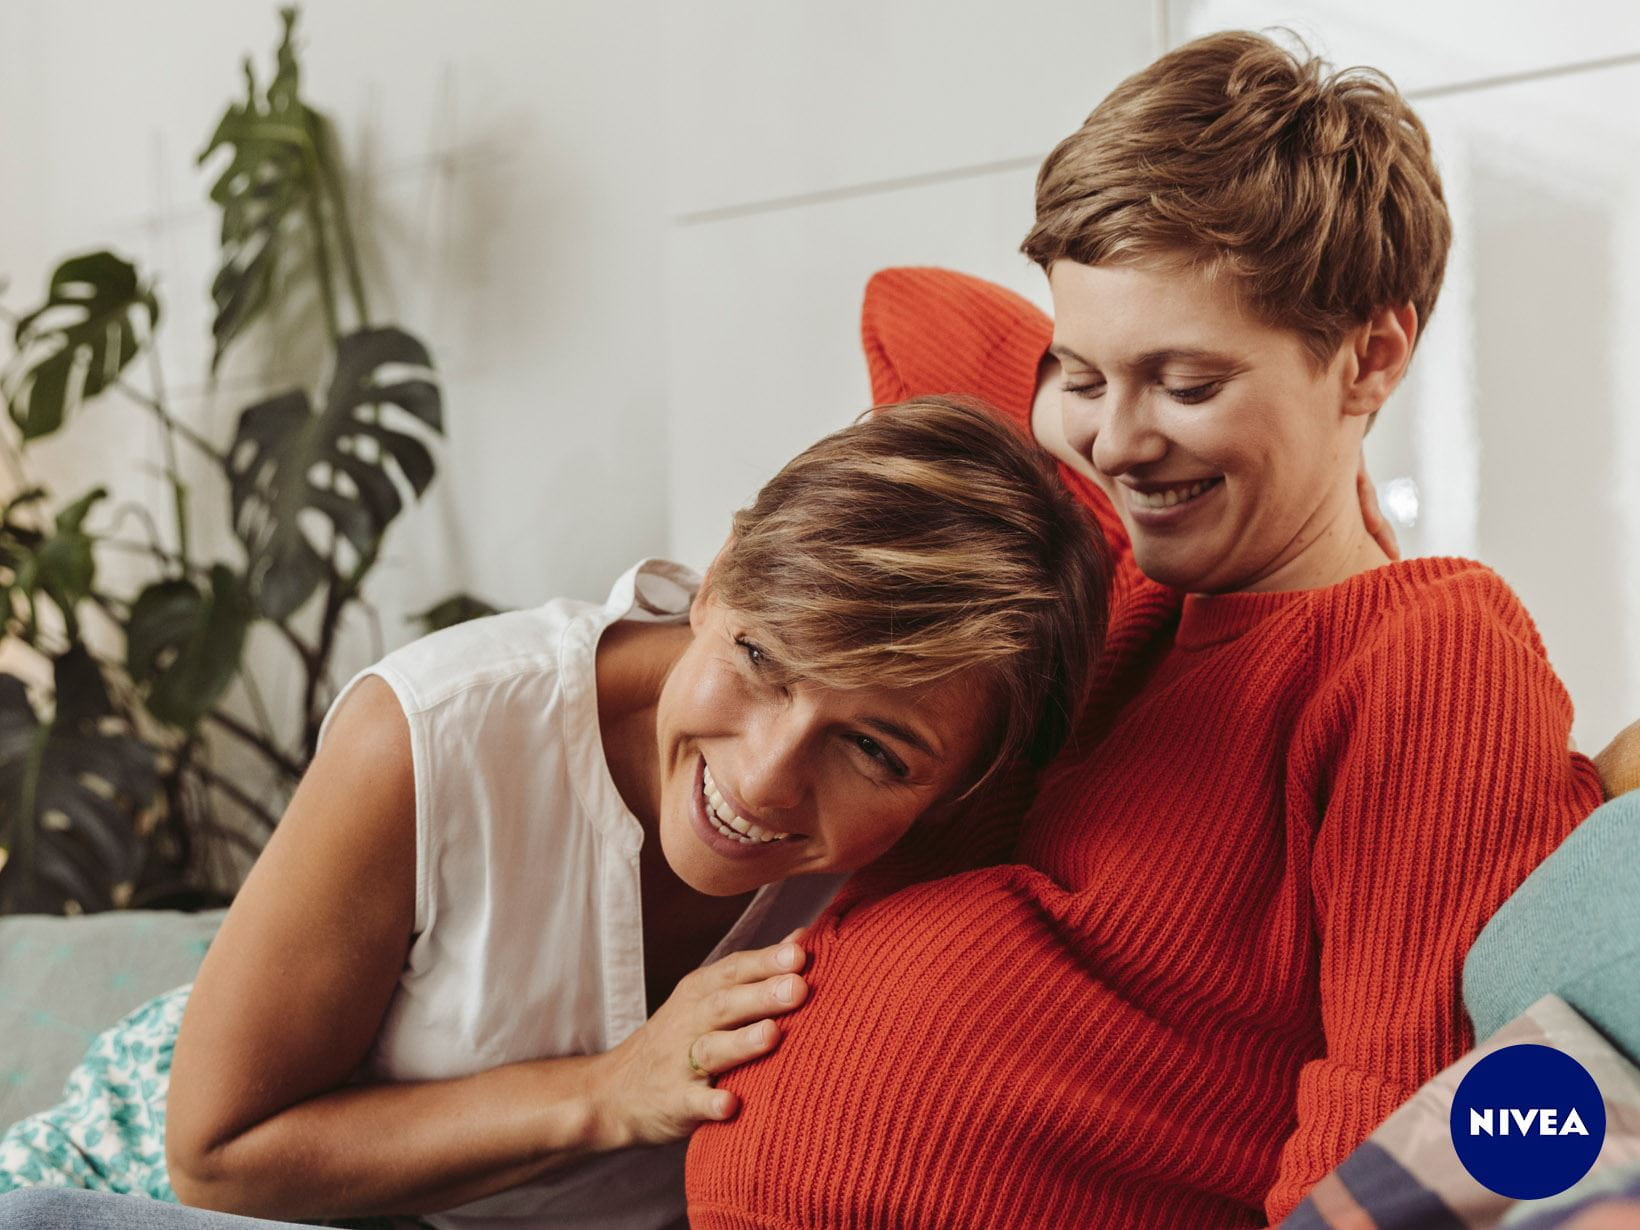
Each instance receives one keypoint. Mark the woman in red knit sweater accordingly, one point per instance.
(1229, 939)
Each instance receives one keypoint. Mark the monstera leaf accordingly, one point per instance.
(286, 459)
(18, 540)
(70, 790)
(183, 645)
(60, 564)
(95, 319)
(269, 192)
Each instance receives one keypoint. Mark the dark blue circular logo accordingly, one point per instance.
(1528, 1121)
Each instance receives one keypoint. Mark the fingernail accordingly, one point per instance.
(786, 991)
(787, 956)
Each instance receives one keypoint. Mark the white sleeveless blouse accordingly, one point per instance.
(528, 932)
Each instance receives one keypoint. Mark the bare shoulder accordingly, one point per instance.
(291, 993)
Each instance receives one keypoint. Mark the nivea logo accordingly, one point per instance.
(1528, 1121)
(1538, 1119)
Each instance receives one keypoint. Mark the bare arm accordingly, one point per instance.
(292, 993)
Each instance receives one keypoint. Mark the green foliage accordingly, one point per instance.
(69, 789)
(96, 318)
(284, 455)
(183, 644)
(457, 609)
(108, 800)
(59, 565)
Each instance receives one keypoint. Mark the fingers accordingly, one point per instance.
(719, 1051)
(703, 1103)
(755, 964)
(729, 1007)
(1372, 514)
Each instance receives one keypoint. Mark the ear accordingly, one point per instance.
(1379, 351)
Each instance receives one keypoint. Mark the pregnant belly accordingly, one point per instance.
(962, 1061)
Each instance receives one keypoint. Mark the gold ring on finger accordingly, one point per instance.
(693, 1066)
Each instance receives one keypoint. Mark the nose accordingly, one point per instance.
(1121, 433)
(774, 770)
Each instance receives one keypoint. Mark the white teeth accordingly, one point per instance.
(1170, 497)
(727, 822)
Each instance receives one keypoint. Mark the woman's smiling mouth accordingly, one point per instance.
(726, 822)
(1161, 504)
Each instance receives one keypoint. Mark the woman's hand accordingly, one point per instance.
(1377, 524)
(656, 1086)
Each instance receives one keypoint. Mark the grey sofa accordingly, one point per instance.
(65, 980)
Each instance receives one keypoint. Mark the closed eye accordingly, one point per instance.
(1196, 393)
(1090, 388)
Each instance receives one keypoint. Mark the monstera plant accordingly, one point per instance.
(108, 791)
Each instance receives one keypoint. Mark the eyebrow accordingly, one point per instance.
(905, 734)
(1151, 358)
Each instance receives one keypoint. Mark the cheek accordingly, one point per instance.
(1078, 421)
(705, 700)
(1256, 450)
(868, 825)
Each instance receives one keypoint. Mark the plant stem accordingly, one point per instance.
(306, 652)
(179, 490)
(333, 181)
(174, 424)
(257, 703)
(217, 782)
(148, 548)
(335, 600)
(321, 256)
(377, 641)
(268, 749)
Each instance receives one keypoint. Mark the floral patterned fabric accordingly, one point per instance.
(108, 1131)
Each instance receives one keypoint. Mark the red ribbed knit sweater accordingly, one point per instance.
(1235, 942)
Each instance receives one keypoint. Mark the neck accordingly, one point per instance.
(1333, 546)
(633, 661)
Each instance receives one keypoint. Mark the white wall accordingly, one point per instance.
(636, 236)
(510, 163)
(814, 144)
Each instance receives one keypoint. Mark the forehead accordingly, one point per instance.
(1126, 313)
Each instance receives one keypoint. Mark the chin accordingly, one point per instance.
(1166, 569)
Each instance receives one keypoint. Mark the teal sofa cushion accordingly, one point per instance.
(65, 980)
(1571, 929)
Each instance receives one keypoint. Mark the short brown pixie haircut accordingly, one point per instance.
(1316, 193)
(924, 539)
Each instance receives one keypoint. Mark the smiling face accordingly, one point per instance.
(761, 782)
(1228, 452)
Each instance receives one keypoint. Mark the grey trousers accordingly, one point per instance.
(75, 1208)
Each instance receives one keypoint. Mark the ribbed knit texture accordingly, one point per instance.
(1235, 944)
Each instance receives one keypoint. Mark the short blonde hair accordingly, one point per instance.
(925, 539)
(1316, 193)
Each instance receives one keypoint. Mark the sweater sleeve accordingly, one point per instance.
(1438, 755)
